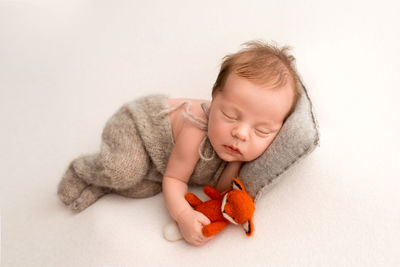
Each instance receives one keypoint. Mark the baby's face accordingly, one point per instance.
(245, 118)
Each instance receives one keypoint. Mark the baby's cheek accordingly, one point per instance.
(211, 132)
(257, 149)
(215, 131)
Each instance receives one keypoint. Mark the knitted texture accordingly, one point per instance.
(136, 144)
(137, 141)
(154, 128)
(297, 138)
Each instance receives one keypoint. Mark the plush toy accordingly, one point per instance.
(235, 206)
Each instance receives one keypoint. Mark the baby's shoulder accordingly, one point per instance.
(177, 105)
(194, 107)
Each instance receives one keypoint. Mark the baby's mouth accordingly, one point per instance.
(232, 149)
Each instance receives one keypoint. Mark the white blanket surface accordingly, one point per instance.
(66, 67)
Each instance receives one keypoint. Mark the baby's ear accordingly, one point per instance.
(248, 227)
(237, 184)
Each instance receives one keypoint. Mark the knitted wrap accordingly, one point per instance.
(154, 129)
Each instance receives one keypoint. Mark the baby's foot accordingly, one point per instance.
(70, 187)
(88, 196)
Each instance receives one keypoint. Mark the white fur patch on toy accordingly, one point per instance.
(171, 232)
(226, 216)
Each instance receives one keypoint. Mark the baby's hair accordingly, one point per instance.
(262, 63)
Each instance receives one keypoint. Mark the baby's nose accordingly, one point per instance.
(241, 132)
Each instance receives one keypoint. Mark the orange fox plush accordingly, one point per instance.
(235, 206)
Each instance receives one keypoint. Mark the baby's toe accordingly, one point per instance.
(88, 196)
(79, 204)
(70, 187)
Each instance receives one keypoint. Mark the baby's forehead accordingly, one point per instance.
(258, 101)
(285, 90)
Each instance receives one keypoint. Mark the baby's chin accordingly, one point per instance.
(225, 157)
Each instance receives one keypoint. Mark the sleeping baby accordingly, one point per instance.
(157, 144)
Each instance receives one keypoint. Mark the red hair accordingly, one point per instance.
(261, 63)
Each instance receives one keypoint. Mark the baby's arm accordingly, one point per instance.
(231, 171)
(181, 164)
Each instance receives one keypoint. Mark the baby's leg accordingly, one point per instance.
(91, 193)
(143, 189)
(88, 196)
(122, 163)
(71, 186)
(149, 186)
(73, 183)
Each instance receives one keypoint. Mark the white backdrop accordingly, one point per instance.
(66, 66)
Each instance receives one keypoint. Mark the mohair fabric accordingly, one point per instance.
(297, 138)
(136, 143)
(154, 128)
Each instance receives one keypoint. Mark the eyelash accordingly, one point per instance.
(264, 134)
(260, 133)
(228, 116)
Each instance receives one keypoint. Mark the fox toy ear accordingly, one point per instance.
(236, 184)
(248, 227)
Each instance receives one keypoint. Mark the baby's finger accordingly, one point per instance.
(197, 242)
(204, 241)
(200, 239)
(204, 220)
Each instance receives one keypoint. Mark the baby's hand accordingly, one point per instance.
(191, 223)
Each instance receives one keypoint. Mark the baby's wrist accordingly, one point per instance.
(182, 213)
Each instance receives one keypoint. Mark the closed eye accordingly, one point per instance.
(263, 133)
(228, 116)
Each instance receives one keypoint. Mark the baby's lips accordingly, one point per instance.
(235, 148)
